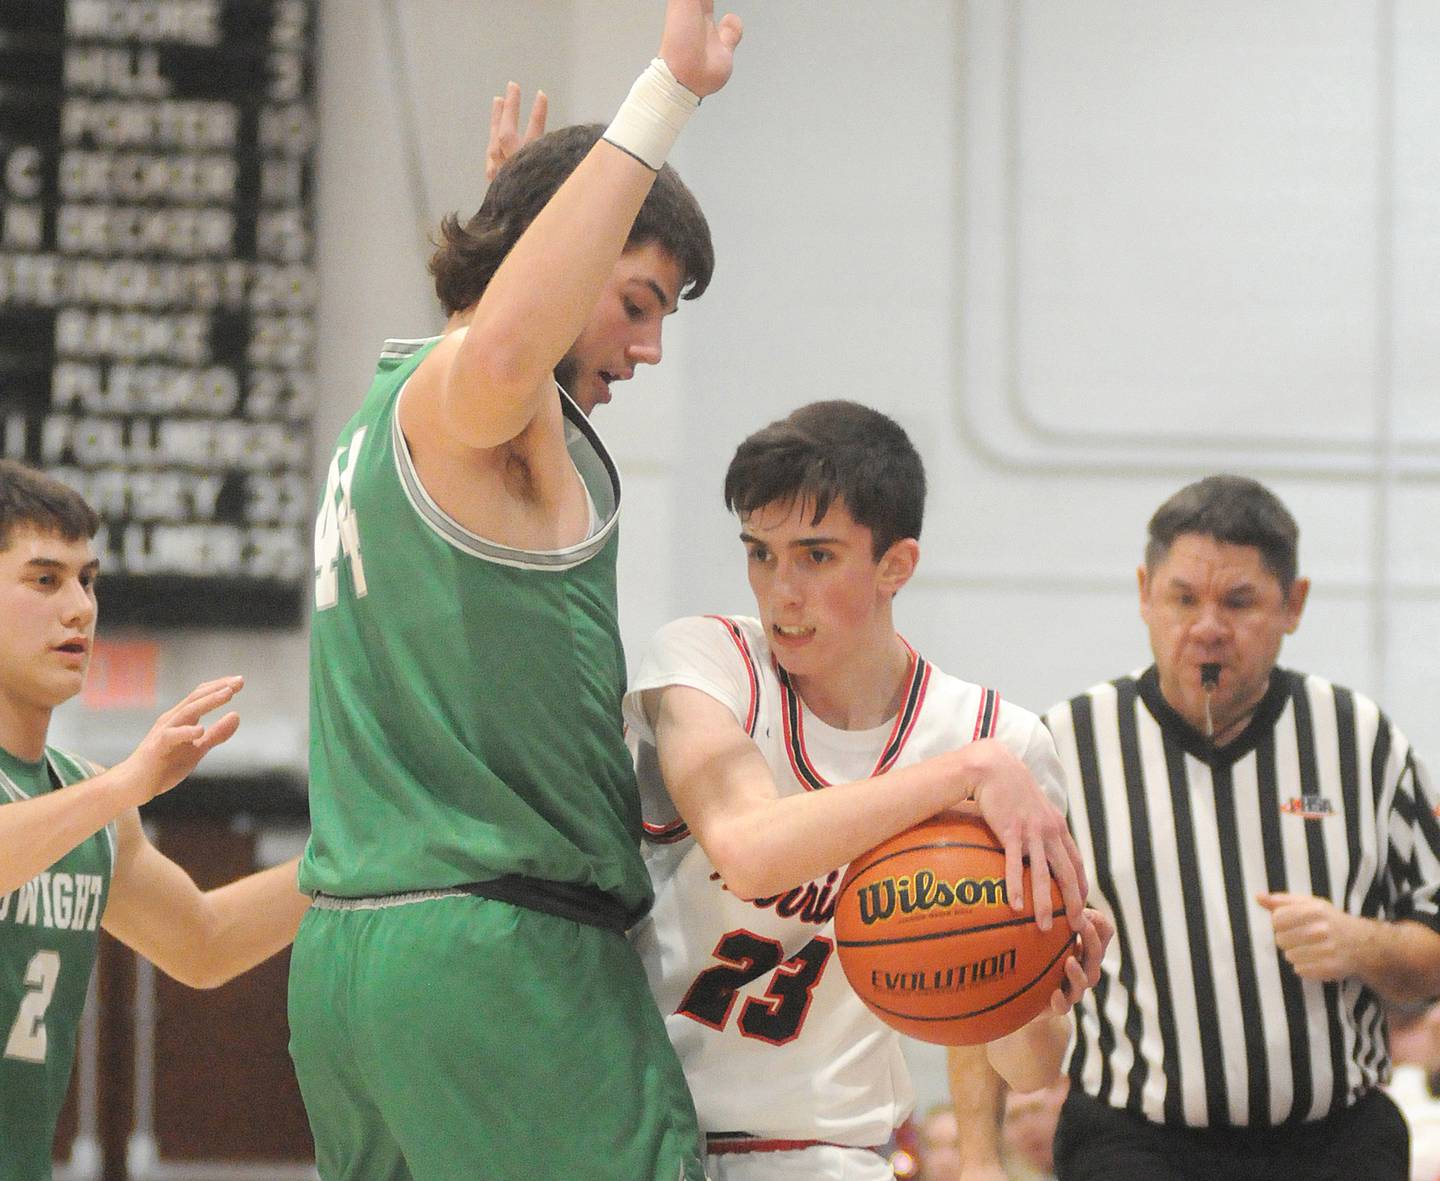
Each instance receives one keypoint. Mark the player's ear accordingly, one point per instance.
(1295, 600)
(898, 563)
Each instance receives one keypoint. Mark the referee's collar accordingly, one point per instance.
(1190, 740)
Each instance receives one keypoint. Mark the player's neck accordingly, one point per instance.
(23, 727)
(865, 692)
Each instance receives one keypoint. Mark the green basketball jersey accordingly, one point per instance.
(464, 696)
(48, 933)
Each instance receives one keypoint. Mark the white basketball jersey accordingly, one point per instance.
(774, 1042)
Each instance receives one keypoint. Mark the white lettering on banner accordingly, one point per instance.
(138, 123)
(195, 22)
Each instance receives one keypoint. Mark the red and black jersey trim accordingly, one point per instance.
(677, 830)
(987, 717)
(737, 637)
(666, 834)
(917, 680)
(728, 1143)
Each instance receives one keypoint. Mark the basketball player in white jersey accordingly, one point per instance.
(771, 751)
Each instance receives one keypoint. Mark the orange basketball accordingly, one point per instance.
(928, 939)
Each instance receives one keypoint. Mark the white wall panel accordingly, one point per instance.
(1084, 252)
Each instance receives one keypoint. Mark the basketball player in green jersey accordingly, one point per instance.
(73, 856)
(463, 1002)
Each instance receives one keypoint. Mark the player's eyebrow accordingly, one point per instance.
(670, 305)
(1182, 585)
(56, 564)
(798, 543)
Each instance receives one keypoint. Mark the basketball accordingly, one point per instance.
(927, 937)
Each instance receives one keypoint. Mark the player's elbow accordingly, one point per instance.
(740, 864)
(197, 972)
(749, 879)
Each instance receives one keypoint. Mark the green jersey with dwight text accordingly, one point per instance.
(49, 929)
(464, 696)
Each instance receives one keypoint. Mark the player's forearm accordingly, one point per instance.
(1399, 960)
(541, 297)
(228, 930)
(977, 1093)
(34, 834)
(1030, 1058)
(775, 844)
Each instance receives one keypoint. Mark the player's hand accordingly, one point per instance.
(505, 137)
(178, 740)
(1318, 939)
(1082, 971)
(1033, 832)
(699, 50)
(995, 1172)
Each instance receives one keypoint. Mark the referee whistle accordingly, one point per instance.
(1209, 679)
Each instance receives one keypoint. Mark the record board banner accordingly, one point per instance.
(158, 291)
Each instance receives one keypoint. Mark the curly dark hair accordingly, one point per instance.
(468, 255)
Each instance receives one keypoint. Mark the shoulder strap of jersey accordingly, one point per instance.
(987, 717)
(747, 658)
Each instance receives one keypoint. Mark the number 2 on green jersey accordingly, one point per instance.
(27, 1040)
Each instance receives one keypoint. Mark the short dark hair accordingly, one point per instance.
(467, 256)
(30, 497)
(834, 450)
(1235, 510)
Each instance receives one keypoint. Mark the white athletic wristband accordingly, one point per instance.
(652, 116)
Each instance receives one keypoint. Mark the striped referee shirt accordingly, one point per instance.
(1198, 1020)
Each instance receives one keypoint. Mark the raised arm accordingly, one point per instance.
(201, 938)
(34, 834)
(498, 374)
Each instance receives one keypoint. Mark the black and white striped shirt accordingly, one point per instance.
(1198, 1020)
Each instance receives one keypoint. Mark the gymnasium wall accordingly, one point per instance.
(1085, 253)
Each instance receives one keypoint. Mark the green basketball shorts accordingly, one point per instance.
(441, 1036)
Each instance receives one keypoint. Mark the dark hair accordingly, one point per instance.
(1235, 510)
(833, 450)
(467, 256)
(30, 497)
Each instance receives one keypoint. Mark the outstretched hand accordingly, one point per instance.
(505, 137)
(178, 740)
(699, 50)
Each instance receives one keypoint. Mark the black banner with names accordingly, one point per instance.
(158, 291)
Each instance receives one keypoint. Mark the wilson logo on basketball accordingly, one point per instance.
(923, 891)
(929, 940)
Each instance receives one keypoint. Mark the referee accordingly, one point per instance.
(1267, 845)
